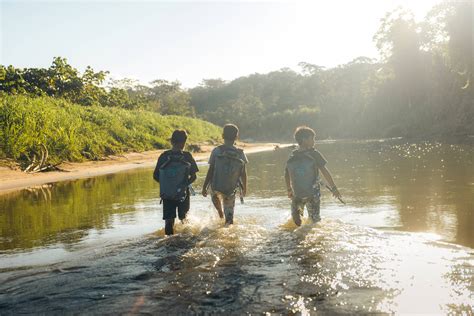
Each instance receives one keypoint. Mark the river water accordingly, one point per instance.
(403, 243)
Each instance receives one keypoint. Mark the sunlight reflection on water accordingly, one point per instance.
(386, 251)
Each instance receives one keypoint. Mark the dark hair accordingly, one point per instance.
(179, 137)
(303, 132)
(230, 132)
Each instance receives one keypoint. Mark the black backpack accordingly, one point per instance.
(173, 178)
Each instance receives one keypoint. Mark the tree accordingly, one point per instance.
(398, 41)
(60, 80)
(11, 80)
(170, 98)
(310, 69)
(212, 83)
(449, 31)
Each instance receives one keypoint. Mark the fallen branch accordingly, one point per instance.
(40, 166)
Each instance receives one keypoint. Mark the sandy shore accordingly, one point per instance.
(12, 180)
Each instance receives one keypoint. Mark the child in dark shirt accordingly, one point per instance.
(175, 170)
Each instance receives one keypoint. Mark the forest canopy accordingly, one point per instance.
(421, 87)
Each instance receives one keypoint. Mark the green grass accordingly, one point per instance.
(72, 132)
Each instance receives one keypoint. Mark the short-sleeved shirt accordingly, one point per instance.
(319, 159)
(218, 150)
(164, 157)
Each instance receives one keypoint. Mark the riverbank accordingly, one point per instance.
(13, 180)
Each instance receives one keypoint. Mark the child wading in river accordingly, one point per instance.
(175, 171)
(302, 176)
(227, 173)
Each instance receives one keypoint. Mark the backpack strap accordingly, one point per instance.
(307, 154)
(297, 155)
(175, 157)
(226, 149)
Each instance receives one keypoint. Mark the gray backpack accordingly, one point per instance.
(173, 178)
(228, 168)
(302, 171)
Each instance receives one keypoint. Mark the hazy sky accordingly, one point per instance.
(189, 41)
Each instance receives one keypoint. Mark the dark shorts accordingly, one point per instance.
(170, 206)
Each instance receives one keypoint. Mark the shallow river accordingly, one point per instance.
(403, 243)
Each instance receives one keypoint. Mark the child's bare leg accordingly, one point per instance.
(313, 207)
(169, 223)
(218, 205)
(297, 211)
(229, 204)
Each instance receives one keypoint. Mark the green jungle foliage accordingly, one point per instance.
(61, 80)
(422, 87)
(71, 132)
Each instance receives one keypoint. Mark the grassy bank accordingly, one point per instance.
(32, 127)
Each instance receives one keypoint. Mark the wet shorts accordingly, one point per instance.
(170, 207)
(312, 205)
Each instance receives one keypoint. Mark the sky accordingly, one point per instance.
(191, 41)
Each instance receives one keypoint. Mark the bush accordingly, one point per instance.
(71, 132)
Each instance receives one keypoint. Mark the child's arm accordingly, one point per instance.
(192, 178)
(328, 177)
(194, 169)
(210, 171)
(243, 177)
(288, 184)
(156, 172)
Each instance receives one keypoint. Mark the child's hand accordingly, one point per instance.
(204, 192)
(290, 194)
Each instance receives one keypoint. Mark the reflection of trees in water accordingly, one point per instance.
(428, 183)
(433, 194)
(266, 172)
(65, 211)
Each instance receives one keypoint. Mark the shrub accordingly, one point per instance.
(71, 132)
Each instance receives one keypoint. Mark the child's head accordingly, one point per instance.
(304, 136)
(230, 133)
(178, 138)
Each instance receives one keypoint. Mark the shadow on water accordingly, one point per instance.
(96, 281)
(204, 289)
(242, 269)
(207, 278)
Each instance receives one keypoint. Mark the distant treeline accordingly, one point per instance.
(422, 87)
